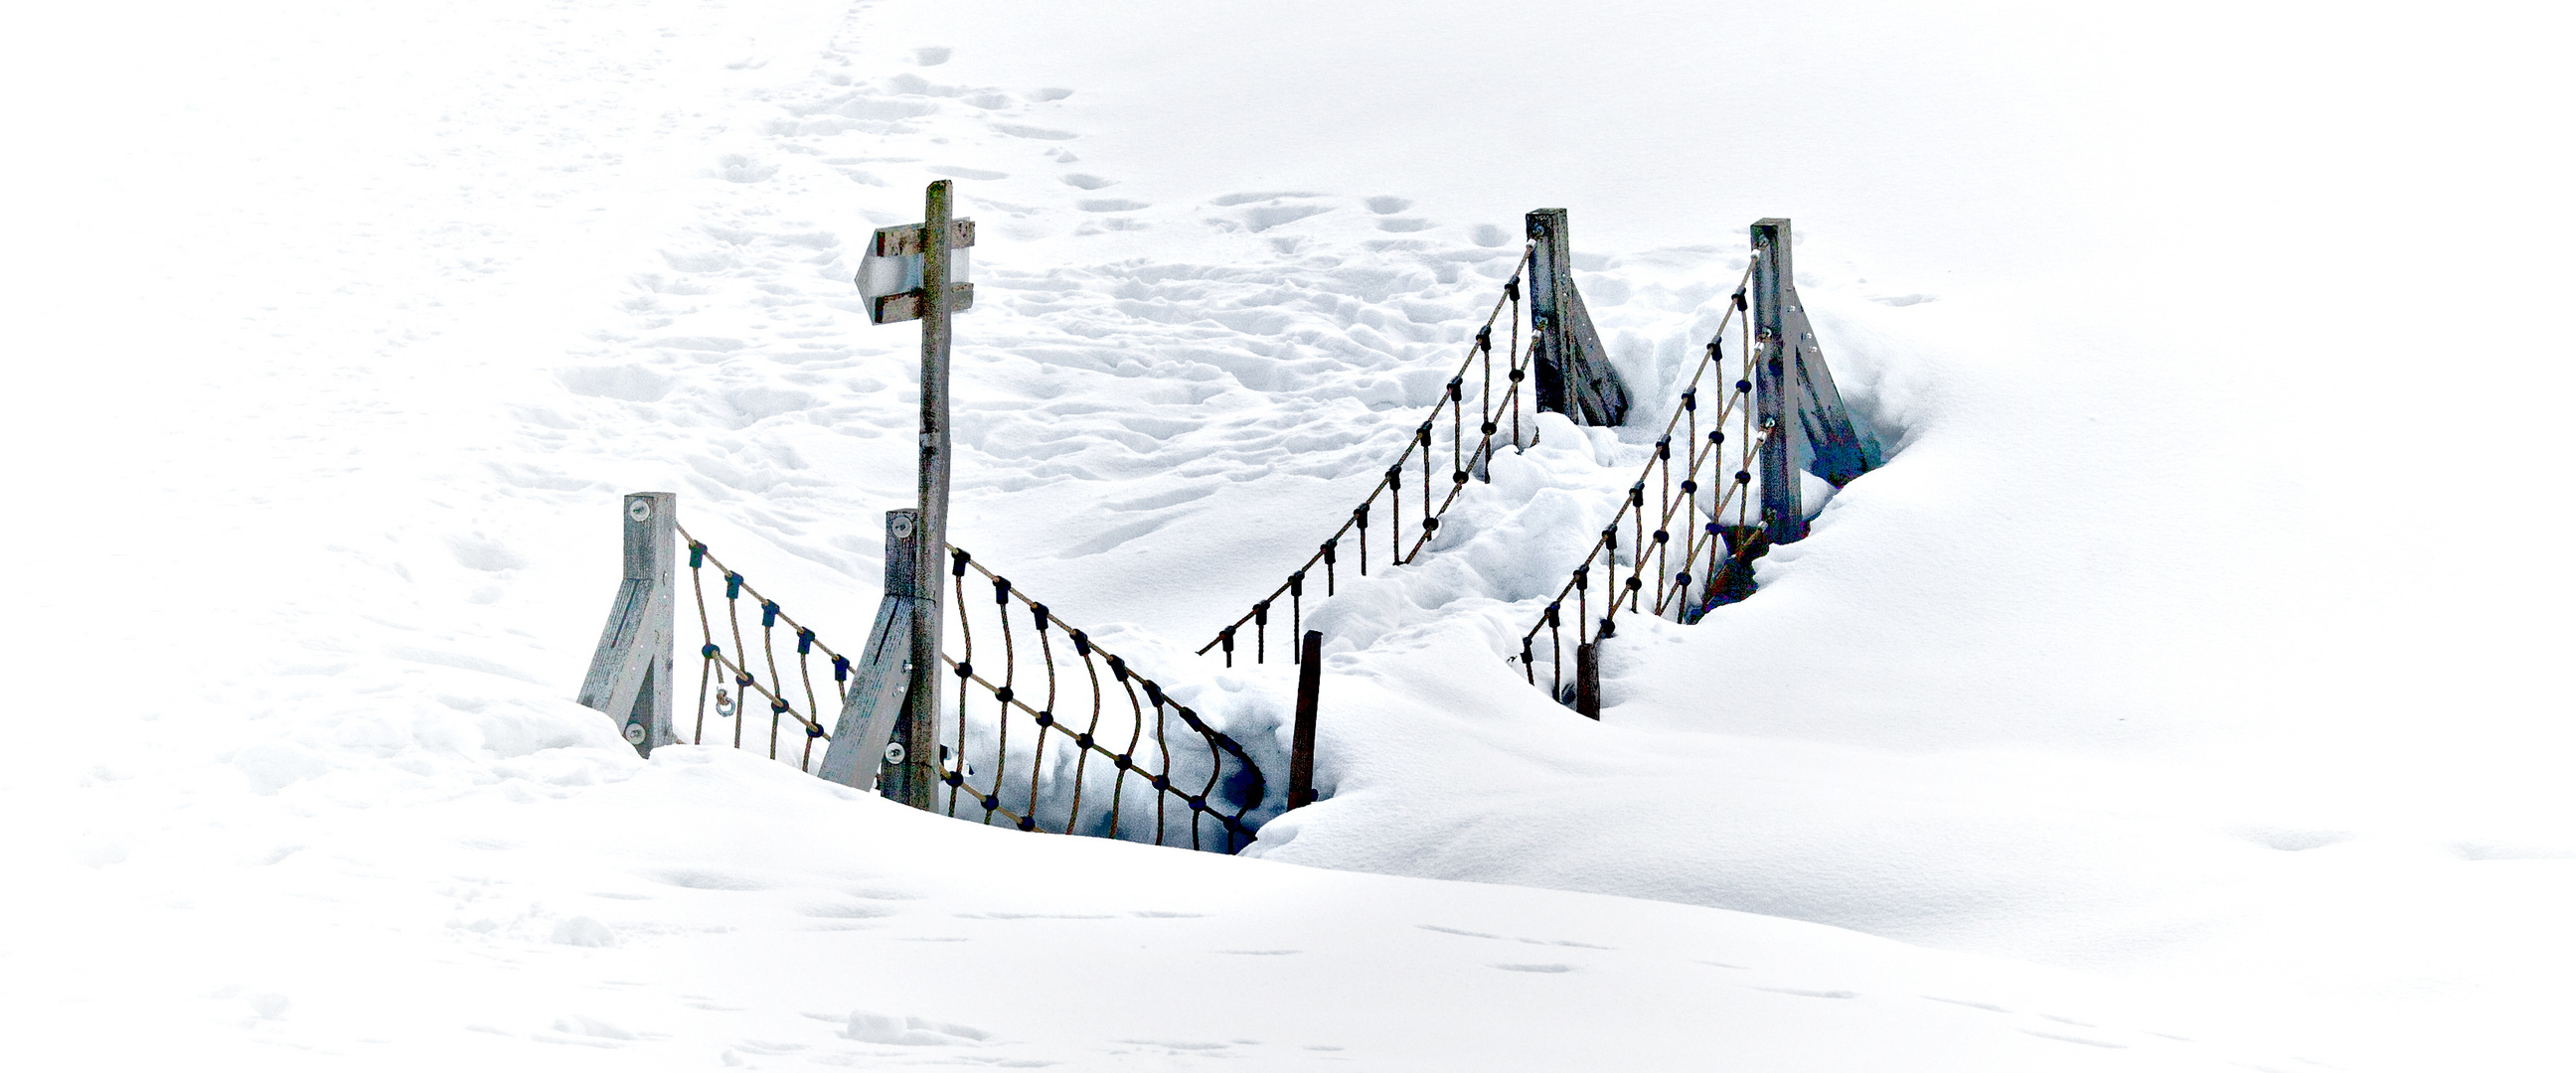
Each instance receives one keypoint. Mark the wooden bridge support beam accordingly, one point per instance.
(630, 673)
(1574, 374)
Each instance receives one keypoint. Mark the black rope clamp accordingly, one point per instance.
(1002, 694)
(1297, 582)
(1637, 494)
(1664, 448)
(1519, 372)
(1081, 642)
(1359, 516)
(1260, 614)
(957, 561)
(1395, 473)
(1153, 692)
(1487, 428)
(1331, 547)
(1002, 591)
(840, 668)
(813, 730)
(1689, 486)
(1744, 385)
(1512, 288)
(741, 680)
(1457, 476)
(1552, 608)
(804, 641)
(768, 613)
(1225, 639)
(1634, 584)
(1454, 395)
(777, 706)
(1681, 580)
(733, 585)
(1739, 299)
(1045, 719)
(1582, 582)
(1662, 536)
(1485, 339)
(1690, 400)
(1117, 668)
(965, 671)
(1716, 436)
(1714, 353)
(697, 554)
(1038, 614)
(1742, 476)
(709, 652)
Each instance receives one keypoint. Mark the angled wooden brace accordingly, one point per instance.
(630, 674)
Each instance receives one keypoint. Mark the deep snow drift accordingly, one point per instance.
(2194, 638)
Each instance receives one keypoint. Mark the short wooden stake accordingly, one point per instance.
(1587, 681)
(630, 672)
(1301, 748)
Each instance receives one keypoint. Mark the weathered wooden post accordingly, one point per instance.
(1783, 520)
(1794, 394)
(630, 673)
(910, 273)
(1587, 681)
(1575, 377)
(1301, 740)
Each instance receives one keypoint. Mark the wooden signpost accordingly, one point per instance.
(888, 733)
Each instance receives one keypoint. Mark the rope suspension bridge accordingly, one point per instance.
(1039, 740)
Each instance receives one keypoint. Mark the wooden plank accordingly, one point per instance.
(878, 684)
(906, 240)
(1301, 747)
(898, 308)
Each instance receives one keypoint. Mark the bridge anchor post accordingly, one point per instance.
(1575, 377)
(630, 673)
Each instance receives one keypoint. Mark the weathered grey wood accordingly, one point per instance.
(1301, 740)
(1774, 385)
(898, 308)
(630, 672)
(919, 730)
(1574, 374)
(872, 714)
(891, 275)
(1833, 442)
(1794, 392)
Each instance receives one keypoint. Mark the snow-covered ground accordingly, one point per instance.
(2184, 693)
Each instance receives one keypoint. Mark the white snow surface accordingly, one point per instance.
(2183, 693)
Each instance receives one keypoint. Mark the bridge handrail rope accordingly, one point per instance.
(1672, 590)
(712, 657)
(1159, 774)
(1166, 787)
(1464, 466)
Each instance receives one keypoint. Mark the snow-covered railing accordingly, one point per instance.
(1117, 742)
(1709, 561)
(1497, 416)
(1040, 738)
(1790, 420)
